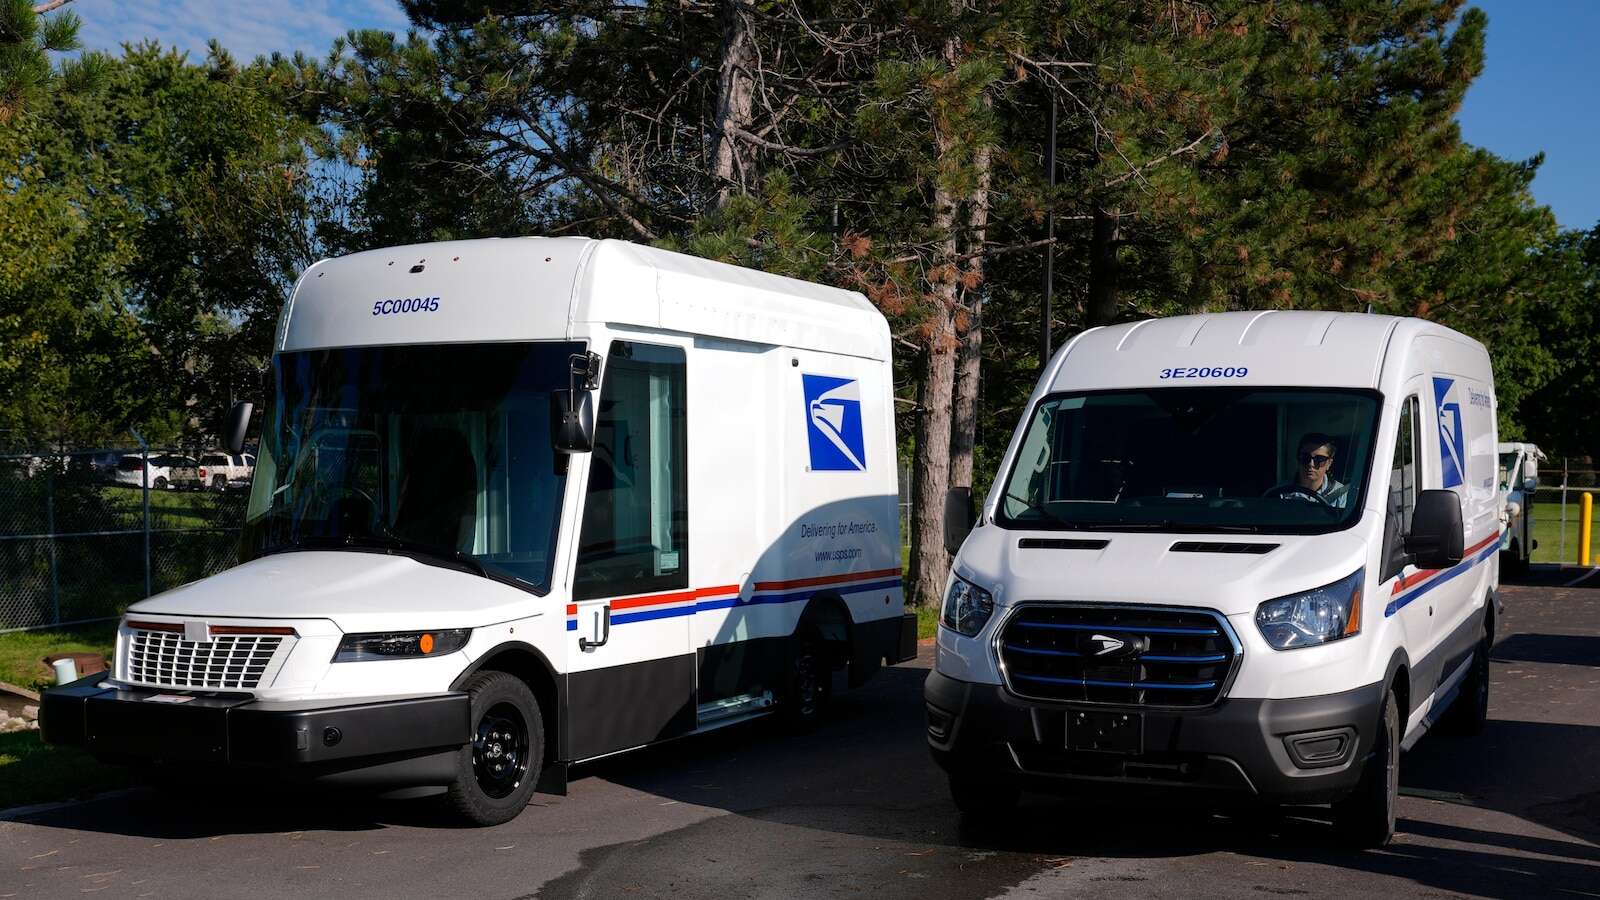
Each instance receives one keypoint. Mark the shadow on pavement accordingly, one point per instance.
(1567, 649)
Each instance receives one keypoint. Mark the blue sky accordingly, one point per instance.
(1536, 92)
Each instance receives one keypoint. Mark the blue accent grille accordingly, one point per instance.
(1124, 656)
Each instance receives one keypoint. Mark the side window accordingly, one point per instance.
(634, 538)
(1405, 473)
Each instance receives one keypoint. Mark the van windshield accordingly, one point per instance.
(1198, 459)
(441, 452)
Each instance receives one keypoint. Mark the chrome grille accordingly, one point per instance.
(226, 662)
(1167, 658)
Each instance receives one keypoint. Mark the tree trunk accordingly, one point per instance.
(735, 99)
(970, 358)
(931, 472)
(1102, 309)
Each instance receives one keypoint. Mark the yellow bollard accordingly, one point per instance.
(1585, 513)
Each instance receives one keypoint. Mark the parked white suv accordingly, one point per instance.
(167, 471)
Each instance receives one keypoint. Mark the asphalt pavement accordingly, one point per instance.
(857, 809)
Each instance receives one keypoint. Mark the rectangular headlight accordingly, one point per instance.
(400, 644)
(1327, 613)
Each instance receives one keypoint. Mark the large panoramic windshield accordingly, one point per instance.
(1194, 460)
(442, 452)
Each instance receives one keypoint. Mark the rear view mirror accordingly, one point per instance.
(237, 424)
(572, 421)
(1529, 485)
(1437, 538)
(958, 518)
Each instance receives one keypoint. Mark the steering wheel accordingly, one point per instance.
(1297, 490)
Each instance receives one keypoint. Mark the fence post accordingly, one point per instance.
(50, 532)
(144, 482)
(1563, 511)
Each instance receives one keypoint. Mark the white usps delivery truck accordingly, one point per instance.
(525, 502)
(1249, 555)
(1519, 482)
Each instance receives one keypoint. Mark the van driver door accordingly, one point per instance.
(632, 670)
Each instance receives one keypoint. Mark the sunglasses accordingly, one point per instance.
(1315, 459)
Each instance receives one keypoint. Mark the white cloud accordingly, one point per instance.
(248, 28)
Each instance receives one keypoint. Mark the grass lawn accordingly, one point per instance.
(21, 651)
(175, 509)
(927, 621)
(34, 772)
(1547, 531)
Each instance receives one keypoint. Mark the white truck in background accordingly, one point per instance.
(1519, 482)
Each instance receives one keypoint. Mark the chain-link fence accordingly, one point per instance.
(84, 534)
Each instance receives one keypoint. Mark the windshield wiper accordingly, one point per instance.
(418, 548)
(1042, 510)
(1169, 525)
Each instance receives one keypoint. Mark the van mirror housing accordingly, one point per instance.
(572, 421)
(1530, 485)
(958, 518)
(1437, 537)
(572, 410)
(237, 424)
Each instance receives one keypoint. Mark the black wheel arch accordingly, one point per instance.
(827, 614)
(526, 662)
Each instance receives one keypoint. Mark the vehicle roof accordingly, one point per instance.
(533, 288)
(1277, 347)
(1513, 446)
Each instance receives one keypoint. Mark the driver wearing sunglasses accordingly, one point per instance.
(1312, 481)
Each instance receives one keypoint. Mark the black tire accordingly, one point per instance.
(497, 770)
(809, 685)
(1366, 817)
(219, 483)
(983, 797)
(1469, 712)
(160, 483)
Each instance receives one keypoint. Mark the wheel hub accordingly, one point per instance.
(500, 755)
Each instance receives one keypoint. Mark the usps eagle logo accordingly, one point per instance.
(1452, 443)
(833, 423)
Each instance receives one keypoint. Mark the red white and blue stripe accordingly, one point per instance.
(1416, 584)
(647, 607)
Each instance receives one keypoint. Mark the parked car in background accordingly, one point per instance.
(1519, 479)
(167, 471)
(220, 471)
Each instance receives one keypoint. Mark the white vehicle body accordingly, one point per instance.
(159, 471)
(1519, 481)
(739, 506)
(1244, 716)
(220, 470)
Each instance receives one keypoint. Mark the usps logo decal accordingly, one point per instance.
(833, 423)
(1452, 442)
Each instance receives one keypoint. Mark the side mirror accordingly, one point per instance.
(958, 518)
(572, 421)
(1530, 484)
(233, 430)
(1437, 537)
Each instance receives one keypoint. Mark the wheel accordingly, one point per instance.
(219, 483)
(982, 796)
(496, 771)
(1519, 559)
(1366, 817)
(810, 682)
(1470, 710)
(160, 483)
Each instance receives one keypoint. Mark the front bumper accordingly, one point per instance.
(1306, 750)
(381, 742)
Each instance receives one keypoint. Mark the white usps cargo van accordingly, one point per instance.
(1250, 554)
(525, 502)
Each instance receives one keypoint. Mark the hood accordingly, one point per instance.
(1144, 567)
(357, 591)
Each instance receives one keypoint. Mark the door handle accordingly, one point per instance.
(585, 644)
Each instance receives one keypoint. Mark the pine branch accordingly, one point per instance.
(788, 148)
(49, 5)
(1179, 151)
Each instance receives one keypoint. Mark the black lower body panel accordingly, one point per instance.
(382, 742)
(1307, 750)
(629, 705)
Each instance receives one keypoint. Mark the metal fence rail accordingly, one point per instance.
(78, 546)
